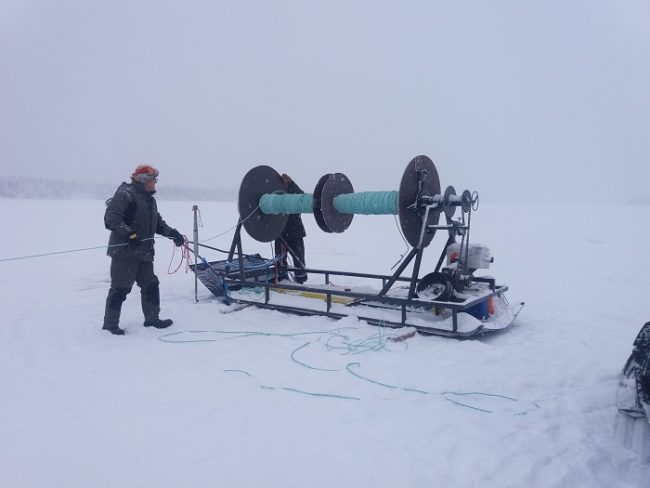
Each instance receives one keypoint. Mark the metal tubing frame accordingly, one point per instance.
(230, 277)
(237, 277)
(370, 320)
(195, 236)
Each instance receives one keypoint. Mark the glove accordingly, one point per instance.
(176, 236)
(286, 178)
(134, 240)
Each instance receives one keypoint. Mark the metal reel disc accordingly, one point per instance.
(257, 182)
(450, 210)
(420, 169)
(466, 201)
(328, 188)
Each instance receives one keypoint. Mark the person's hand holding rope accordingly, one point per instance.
(180, 241)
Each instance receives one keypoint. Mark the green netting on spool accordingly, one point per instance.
(272, 204)
(368, 203)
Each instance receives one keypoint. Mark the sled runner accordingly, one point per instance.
(481, 308)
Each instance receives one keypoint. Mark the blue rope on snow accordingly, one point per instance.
(305, 364)
(330, 395)
(371, 343)
(357, 365)
(443, 394)
(294, 390)
(237, 371)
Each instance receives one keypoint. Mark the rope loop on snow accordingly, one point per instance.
(344, 345)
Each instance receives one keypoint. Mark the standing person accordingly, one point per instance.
(293, 234)
(133, 219)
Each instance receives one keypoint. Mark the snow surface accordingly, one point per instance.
(261, 398)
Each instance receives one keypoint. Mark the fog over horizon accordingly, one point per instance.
(524, 102)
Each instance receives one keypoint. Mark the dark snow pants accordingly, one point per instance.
(125, 272)
(298, 247)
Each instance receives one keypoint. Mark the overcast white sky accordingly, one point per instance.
(518, 100)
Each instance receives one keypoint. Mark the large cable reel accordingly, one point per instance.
(264, 207)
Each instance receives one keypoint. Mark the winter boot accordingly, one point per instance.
(116, 297)
(115, 330)
(158, 324)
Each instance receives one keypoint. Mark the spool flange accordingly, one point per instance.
(260, 226)
(450, 208)
(420, 179)
(328, 188)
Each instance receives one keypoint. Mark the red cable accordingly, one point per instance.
(185, 256)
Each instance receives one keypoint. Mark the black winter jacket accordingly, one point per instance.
(132, 209)
(294, 229)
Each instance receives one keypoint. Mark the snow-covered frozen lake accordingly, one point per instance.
(284, 404)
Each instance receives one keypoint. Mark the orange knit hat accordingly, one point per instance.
(144, 173)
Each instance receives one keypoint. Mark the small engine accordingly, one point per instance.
(478, 256)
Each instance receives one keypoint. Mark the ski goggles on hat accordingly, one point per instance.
(145, 173)
(146, 178)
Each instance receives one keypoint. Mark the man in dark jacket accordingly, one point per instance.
(133, 219)
(293, 235)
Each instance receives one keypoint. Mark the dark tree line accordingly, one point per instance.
(46, 189)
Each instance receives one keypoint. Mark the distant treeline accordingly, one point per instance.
(40, 188)
(640, 201)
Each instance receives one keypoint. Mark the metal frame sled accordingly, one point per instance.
(251, 280)
(450, 301)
